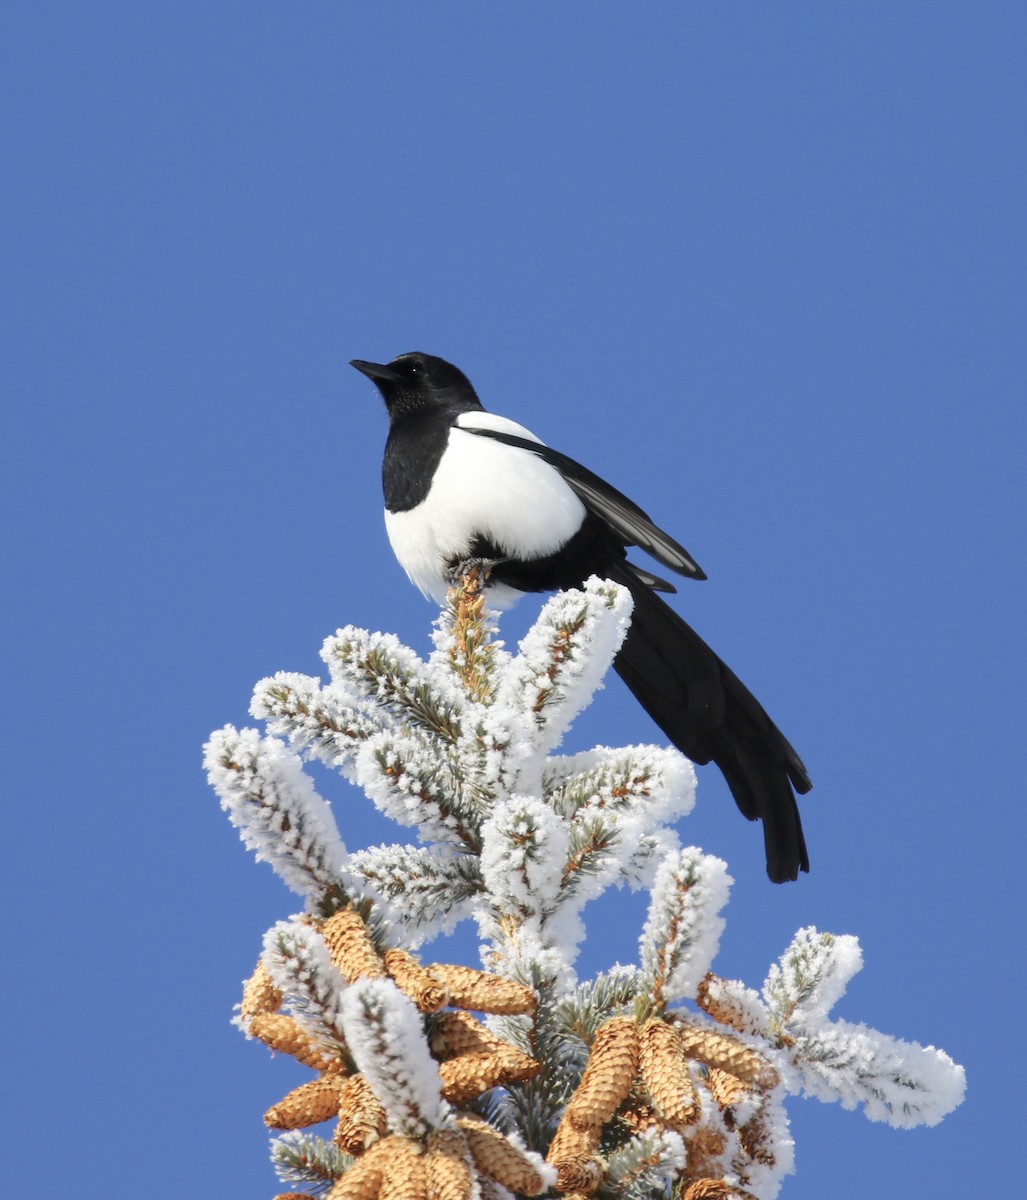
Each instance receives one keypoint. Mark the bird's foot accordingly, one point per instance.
(472, 574)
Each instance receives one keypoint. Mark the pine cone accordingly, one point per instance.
(755, 1140)
(415, 981)
(705, 1147)
(349, 944)
(284, 1034)
(469, 1075)
(448, 1166)
(478, 990)
(721, 1050)
(362, 1120)
(573, 1152)
(664, 1071)
(405, 1176)
(310, 1103)
(713, 998)
(725, 1088)
(579, 1174)
(259, 994)
(611, 1069)
(456, 1032)
(711, 1189)
(362, 1180)
(498, 1158)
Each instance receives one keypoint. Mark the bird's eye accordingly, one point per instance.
(415, 367)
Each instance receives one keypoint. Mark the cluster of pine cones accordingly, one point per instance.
(639, 1075)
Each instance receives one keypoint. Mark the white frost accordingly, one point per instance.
(682, 933)
(300, 966)
(902, 1083)
(385, 1035)
(280, 817)
(565, 655)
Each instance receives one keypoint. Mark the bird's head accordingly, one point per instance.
(418, 381)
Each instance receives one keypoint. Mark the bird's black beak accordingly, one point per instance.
(375, 371)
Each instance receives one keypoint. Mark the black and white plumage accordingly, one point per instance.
(463, 484)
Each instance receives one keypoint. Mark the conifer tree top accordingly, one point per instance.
(644, 1078)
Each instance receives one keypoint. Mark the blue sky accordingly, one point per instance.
(760, 265)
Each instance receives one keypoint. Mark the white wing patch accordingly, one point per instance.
(487, 420)
(484, 489)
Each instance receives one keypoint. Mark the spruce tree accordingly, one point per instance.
(441, 1080)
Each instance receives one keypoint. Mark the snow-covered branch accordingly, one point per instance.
(279, 815)
(902, 1083)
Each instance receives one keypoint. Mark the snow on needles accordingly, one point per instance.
(682, 933)
(565, 655)
(902, 1083)
(297, 960)
(280, 817)
(385, 1035)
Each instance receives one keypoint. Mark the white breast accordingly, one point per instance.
(483, 488)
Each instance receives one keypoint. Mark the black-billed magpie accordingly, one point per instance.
(462, 484)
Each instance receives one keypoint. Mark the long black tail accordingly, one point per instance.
(711, 716)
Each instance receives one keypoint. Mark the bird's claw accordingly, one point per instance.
(472, 574)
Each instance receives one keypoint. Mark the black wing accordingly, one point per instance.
(621, 514)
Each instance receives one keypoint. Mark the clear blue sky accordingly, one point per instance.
(760, 265)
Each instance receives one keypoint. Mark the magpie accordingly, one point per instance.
(462, 484)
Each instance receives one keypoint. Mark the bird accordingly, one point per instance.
(464, 485)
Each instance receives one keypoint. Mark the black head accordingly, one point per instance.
(417, 381)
